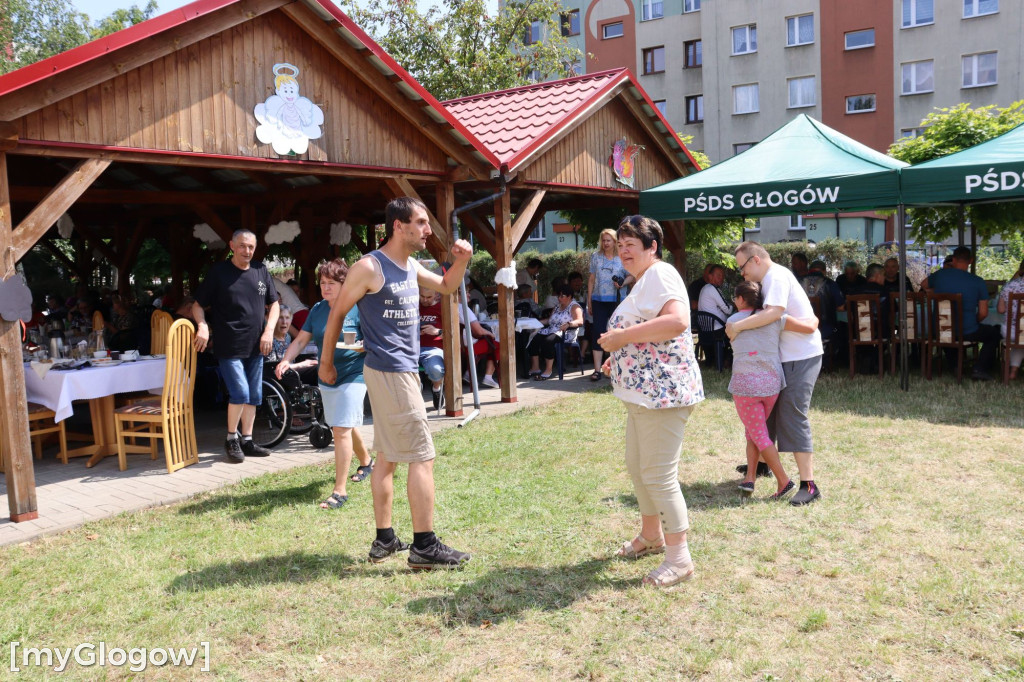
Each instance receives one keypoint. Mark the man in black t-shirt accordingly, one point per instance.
(237, 292)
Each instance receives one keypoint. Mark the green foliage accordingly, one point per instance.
(952, 129)
(558, 264)
(37, 29)
(457, 49)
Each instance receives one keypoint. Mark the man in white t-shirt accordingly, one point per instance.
(800, 355)
(711, 300)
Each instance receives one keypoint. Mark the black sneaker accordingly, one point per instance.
(782, 493)
(233, 451)
(436, 395)
(805, 495)
(762, 470)
(379, 551)
(746, 487)
(438, 555)
(253, 449)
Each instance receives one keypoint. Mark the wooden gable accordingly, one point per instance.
(200, 98)
(581, 157)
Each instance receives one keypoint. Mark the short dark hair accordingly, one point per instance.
(563, 290)
(800, 256)
(647, 230)
(535, 262)
(715, 266)
(575, 275)
(818, 265)
(962, 253)
(750, 292)
(400, 209)
(872, 269)
(332, 269)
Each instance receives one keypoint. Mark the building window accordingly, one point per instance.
(652, 9)
(662, 107)
(695, 109)
(796, 222)
(800, 30)
(745, 99)
(691, 6)
(741, 147)
(532, 33)
(612, 30)
(977, 8)
(538, 234)
(858, 104)
(571, 23)
(654, 60)
(802, 92)
(918, 13)
(744, 39)
(979, 69)
(694, 54)
(911, 132)
(918, 77)
(856, 40)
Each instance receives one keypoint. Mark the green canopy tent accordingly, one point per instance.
(990, 171)
(803, 167)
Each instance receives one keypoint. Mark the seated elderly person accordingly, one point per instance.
(851, 279)
(892, 277)
(817, 283)
(306, 369)
(121, 326)
(564, 324)
(974, 294)
(525, 305)
(431, 344)
(710, 300)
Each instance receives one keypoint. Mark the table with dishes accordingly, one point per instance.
(98, 381)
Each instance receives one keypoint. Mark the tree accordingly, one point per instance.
(32, 30)
(459, 50)
(949, 130)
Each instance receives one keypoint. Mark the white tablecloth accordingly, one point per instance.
(522, 324)
(58, 389)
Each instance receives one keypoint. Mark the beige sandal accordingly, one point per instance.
(667, 575)
(649, 547)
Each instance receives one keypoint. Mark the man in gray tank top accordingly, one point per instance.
(385, 285)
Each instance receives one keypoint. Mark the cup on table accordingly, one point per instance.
(100, 354)
(350, 338)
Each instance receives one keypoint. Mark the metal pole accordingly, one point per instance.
(464, 302)
(901, 222)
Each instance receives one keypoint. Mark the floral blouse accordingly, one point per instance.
(560, 316)
(1014, 286)
(655, 375)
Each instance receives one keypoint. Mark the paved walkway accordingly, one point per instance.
(71, 495)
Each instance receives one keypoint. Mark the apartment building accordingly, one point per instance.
(730, 72)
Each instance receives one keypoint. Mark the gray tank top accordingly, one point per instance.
(390, 318)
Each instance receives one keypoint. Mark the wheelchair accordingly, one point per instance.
(290, 407)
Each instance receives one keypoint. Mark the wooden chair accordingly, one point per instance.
(865, 328)
(41, 422)
(159, 324)
(1014, 331)
(946, 330)
(97, 321)
(917, 327)
(173, 420)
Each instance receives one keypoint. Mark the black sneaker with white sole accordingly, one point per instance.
(233, 450)
(253, 449)
(438, 555)
(379, 551)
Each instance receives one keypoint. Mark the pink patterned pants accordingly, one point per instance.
(753, 413)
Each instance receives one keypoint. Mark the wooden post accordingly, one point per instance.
(675, 242)
(505, 245)
(16, 448)
(453, 398)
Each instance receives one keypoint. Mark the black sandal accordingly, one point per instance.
(335, 501)
(362, 472)
(596, 376)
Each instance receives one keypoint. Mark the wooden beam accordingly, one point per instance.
(143, 196)
(524, 216)
(98, 244)
(56, 202)
(131, 252)
(8, 136)
(481, 230)
(675, 241)
(15, 445)
(362, 69)
(539, 216)
(437, 242)
(450, 336)
(506, 322)
(57, 253)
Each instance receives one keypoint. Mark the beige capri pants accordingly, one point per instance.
(654, 440)
(400, 430)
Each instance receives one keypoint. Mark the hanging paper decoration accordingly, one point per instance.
(621, 161)
(64, 226)
(15, 300)
(288, 121)
(207, 235)
(283, 232)
(507, 276)
(341, 233)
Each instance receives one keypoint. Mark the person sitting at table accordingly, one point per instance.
(54, 308)
(552, 301)
(851, 278)
(1014, 286)
(525, 305)
(694, 288)
(81, 315)
(121, 326)
(431, 343)
(564, 324)
(711, 300)
(477, 299)
(831, 298)
(892, 277)
(974, 295)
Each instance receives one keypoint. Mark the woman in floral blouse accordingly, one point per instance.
(1014, 286)
(654, 372)
(563, 324)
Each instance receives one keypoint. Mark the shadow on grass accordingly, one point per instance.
(288, 568)
(712, 494)
(251, 506)
(506, 593)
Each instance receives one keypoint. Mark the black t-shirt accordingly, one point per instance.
(848, 287)
(237, 300)
(693, 291)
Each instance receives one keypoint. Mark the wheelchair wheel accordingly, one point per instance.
(273, 416)
(320, 436)
(304, 410)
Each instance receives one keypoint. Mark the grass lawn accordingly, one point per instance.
(910, 568)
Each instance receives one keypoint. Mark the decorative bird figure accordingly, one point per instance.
(621, 160)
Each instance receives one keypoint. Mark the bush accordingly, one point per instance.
(560, 263)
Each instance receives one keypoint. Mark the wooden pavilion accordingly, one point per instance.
(147, 132)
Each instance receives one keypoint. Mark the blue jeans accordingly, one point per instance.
(244, 379)
(432, 362)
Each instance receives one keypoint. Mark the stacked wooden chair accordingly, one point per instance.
(917, 327)
(1014, 331)
(946, 330)
(159, 325)
(865, 328)
(41, 422)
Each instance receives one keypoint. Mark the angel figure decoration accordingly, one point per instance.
(288, 121)
(621, 160)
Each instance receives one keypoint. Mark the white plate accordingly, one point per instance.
(357, 346)
(104, 362)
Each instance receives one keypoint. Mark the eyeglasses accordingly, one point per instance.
(743, 266)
